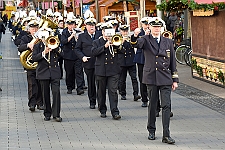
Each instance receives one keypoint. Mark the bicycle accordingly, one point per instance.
(183, 53)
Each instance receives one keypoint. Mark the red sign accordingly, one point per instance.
(133, 13)
(133, 23)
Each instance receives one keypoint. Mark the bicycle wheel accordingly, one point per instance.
(187, 57)
(179, 54)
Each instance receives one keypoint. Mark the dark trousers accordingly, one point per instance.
(61, 66)
(143, 87)
(34, 89)
(165, 92)
(53, 110)
(123, 76)
(74, 71)
(91, 85)
(112, 84)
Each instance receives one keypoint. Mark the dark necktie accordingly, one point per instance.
(92, 36)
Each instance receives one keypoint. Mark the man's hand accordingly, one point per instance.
(174, 86)
(30, 45)
(136, 32)
(47, 50)
(107, 44)
(147, 32)
(85, 59)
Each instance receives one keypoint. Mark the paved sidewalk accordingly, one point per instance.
(193, 126)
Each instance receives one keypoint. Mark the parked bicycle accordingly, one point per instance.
(183, 52)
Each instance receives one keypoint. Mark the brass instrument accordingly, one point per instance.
(128, 38)
(116, 40)
(167, 34)
(51, 42)
(26, 57)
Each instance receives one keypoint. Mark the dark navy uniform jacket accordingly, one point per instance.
(44, 69)
(105, 64)
(17, 41)
(128, 55)
(139, 56)
(83, 48)
(68, 47)
(160, 64)
(24, 41)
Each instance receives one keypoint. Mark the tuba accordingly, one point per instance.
(167, 34)
(26, 57)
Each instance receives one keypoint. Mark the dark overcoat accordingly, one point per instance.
(83, 48)
(46, 70)
(105, 64)
(160, 64)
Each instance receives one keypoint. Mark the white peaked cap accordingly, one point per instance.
(71, 16)
(32, 13)
(65, 13)
(49, 12)
(57, 14)
(88, 14)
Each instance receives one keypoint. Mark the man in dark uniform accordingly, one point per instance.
(159, 72)
(127, 65)
(23, 32)
(107, 71)
(83, 51)
(34, 88)
(140, 59)
(48, 73)
(72, 65)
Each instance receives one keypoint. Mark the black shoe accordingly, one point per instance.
(69, 91)
(168, 140)
(40, 107)
(92, 106)
(157, 114)
(171, 114)
(151, 136)
(32, 108)
(84, 87)
(80, 92)
(47, 118)
(116, 117)
(144, 104)
(136, 97)
(123, 97)
(58, 119)
(103, 115)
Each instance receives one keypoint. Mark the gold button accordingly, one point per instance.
(156, 68)
(49, 66)
(164, 57)
(106, 58)
(106, 63)
(125, 53)
(125, 56)
(163, 63)
(106, 54)
(163, 69)
(156, 62)
(111, 62)
(156, 56)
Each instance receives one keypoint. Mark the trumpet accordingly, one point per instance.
(167, 34)
(115, 40)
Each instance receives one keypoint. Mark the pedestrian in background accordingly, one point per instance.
(159, 72)
(2, 29)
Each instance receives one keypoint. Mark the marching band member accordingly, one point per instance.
(49, 14)
(127, 65)
(107, 71)
(23, 32)
(115, 24)
(83, 51)
(72, 65)
(107, 18)
(140, 59)
(34, 89)
(159, 73)
(48, 73)
(59, 34)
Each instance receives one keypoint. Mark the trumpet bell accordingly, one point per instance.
(52, 42)
(167, 34)
(117, 40)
